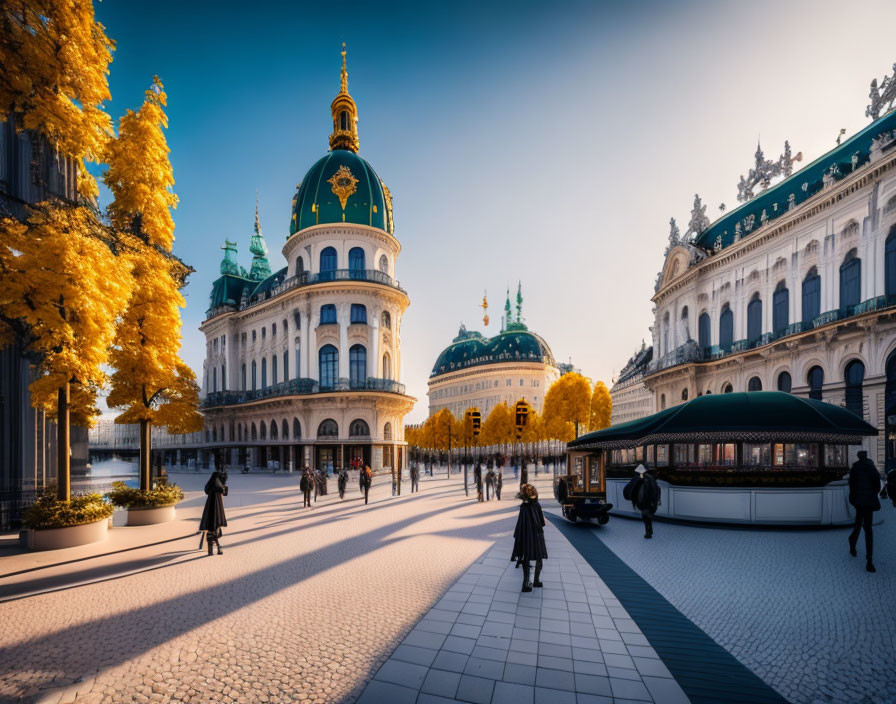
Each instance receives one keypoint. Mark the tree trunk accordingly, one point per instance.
(145, 447)
(63, 446)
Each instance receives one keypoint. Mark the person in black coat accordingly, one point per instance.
(489, 484)
(342, 482)
(306, 484)
(499, 482)
(864, 486)
(366, 481)
(477, 480)
(415, 478)
(213, 518)
(644, 494)
(528, 536)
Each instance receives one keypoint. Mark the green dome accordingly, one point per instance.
(318, 200)
(470, 349)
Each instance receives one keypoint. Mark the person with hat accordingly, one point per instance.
(864, 485)
(644, 493)
(213, 518)
(528, 536)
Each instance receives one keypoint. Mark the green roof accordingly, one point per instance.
(228, 290)
(315, 202)
(471, 349)
(802, 184)
(746, 416)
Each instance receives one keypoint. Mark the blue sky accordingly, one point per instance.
(547, 143)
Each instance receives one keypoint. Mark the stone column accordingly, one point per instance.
(373, 359)
(309, 371)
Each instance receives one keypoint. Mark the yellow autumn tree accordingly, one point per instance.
(601, 407)
(499, 427)
(55, 61)
(62, 287)
(151, 382)
(567, 406)
(140, 174)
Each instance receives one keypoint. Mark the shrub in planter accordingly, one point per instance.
(49, 512)
(162, 494)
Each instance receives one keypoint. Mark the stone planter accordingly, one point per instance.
(150, 515)
(58, 538)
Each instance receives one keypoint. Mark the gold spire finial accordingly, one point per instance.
(345, 115)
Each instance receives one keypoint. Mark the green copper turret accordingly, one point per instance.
(261, 268)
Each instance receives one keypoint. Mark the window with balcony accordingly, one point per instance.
(780, 308)
(704, 326)
(328, 362)
(264, 373)
(811, 296)
(327, 260)
(890, 263)
(850, 282)
(754, 318)
(328, 314)
(854, 376)
(359, 313)
(254, 368)
(357, 364)
(356, 261)
(274, 370)
(286, 366)
(726, 328)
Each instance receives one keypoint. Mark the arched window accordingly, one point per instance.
(263, 431)
(359, 313)
(328, 361)
(264, 372)
(254, 368)
(854, 375)
(243, 376)
(704, 325)
(296, 429)
(357, 364)
(850, 282)
(328, 429)
(356, 260)
(811, 296)
(726, 328)
(358, 429)
(754, 384)
(384, 264)
(784, 382)
(328, 314)
(780, 308)
(685, 325)
(890, 263)
(387, 366)
(754, 318)
(274, 370)
(254, 432)
(815, 379)
(300, 266)
(284, 433)
(386, 320)
(274, 430)
(343, 120)
(387, 431)
(684, 394)
(727, 389)
(286, 366)
(327, 260)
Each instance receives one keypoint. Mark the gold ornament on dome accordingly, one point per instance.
(344, 184)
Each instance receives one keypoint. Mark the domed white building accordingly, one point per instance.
(303, 364)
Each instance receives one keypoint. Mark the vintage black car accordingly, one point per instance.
(582, 491)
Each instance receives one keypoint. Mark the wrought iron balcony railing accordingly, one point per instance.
(301, 387)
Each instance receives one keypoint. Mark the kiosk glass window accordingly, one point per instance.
(704, 455)
(684, 454)
(662, 455)
(757, 455)
(806, 455)
(726, 454)
(836, 456)
(650, 456)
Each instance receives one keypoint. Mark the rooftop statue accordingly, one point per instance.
(699, 222)
(764, 170)
(882, 96)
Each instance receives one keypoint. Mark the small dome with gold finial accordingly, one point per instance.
(342, 187)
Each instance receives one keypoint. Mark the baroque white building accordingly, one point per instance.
(303, 364)
(631, 398)
(794, 290)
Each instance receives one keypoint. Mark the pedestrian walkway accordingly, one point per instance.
(485, 642)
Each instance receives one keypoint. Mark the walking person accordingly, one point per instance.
(644, 493)
(366, 481)
(499, 482)
(315, 475)
(306, 483)
(864, 486)
(489, 484)
(342, 482)
(213, 518)
(477, 479)
(528, 536)
(324, 481)
(415, 478)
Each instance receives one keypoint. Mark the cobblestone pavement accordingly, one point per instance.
(485, 642)
(304, 605)
(792, 605)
